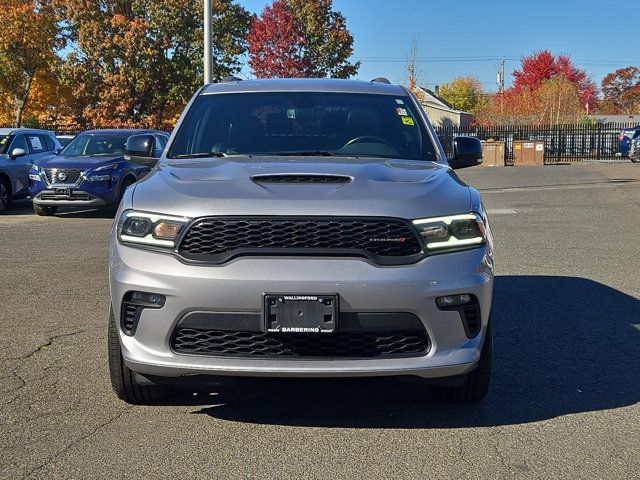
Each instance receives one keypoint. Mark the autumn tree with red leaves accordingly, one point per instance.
(547, 89)
(301, 38)
(276, 45)
(542, 66)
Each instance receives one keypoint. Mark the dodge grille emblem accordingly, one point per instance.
(389, 239)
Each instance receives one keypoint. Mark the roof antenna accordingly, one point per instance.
(381, 80)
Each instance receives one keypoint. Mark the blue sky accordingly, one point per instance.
(472, 35)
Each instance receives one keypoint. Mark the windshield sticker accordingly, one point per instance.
(399, 101)
(407, 120)
(3, 141)
(35, 143)
(401, 111)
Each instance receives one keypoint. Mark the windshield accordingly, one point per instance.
(95, 145)
(5, 140)
(309, 123)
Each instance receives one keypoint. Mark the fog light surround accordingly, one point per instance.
(468, 306)
(454, 300)
(147, 300)
(132, 306)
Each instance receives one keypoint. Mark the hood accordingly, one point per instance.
(83, 163)
(353, 187)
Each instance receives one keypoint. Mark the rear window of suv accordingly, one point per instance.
(341, 124)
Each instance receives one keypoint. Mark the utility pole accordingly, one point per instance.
(500, 82)
(208, 47)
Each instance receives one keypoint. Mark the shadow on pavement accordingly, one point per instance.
(563, 345)
(25, 207)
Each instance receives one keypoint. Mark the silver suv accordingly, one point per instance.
(301, 228)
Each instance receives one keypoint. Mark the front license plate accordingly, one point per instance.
(62, 192)
(290, 313)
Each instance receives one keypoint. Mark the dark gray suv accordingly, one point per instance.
(19, 149)
(302, 228)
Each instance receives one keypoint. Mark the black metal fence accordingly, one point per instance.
(563, 143)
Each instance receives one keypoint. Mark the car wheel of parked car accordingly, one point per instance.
(5, 196)
(44, 211)
(476, 385)
(123, 379)
(126, 183)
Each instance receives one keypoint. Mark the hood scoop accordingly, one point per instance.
(304, 178)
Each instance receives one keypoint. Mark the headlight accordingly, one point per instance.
(34, 177)
(455, 232)
(35, 167)
(99, 178)
(112, 166)
(150, 229)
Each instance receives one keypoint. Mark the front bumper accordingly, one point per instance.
(239, 285)
(77, 198)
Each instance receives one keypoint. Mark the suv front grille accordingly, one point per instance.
(386, 241)
(365, 344)
(69, 175)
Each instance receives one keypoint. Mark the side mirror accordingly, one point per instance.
(140, 149)
(467, 152)
(17, 152)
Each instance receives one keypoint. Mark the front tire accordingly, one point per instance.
(476, 385)
(123, 379)
(5, 196)
(44, 211)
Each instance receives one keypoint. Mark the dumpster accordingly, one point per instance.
(528, 153)
(493, 153)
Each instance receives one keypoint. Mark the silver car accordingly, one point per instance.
(19, 148)
(301, 228)
(634, 150)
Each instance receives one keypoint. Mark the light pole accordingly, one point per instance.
(208, 47)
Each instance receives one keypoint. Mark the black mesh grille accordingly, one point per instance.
(341, 344)
(74, 196)
(69, 175)
(471, 315)
(301, 179)
(218, 239)
(130, 316)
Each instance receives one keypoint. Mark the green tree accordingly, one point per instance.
(328, 41)
(464, 93)
(137, 62)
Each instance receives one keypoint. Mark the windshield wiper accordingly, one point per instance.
(201, 155)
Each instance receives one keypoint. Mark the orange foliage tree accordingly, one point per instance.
(137, 62)
(29, 38)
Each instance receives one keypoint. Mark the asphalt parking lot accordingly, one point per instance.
(564, 402)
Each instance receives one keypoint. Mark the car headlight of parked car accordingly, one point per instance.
(96, 174)
(150, 229)
(35, 176)
(452, 233)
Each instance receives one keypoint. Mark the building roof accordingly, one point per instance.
(304, 85)
(428, 98)
(616, 118)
